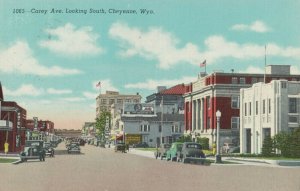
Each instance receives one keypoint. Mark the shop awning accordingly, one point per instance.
(119, 137)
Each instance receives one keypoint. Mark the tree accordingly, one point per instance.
(187, 138)
(101, 124)
(204, 142)
(268, 147)
(282, 142)
(295, 143)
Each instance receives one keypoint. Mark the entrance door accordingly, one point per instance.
(248, 140)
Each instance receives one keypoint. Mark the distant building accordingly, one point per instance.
(42, 128)
(104, 101)
(266, 110)
(221, 91)
(88, 129)
(158, 120)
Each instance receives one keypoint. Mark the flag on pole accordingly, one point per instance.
(98, 84)
(203, 64)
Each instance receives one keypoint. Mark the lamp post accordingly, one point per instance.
(218, 156)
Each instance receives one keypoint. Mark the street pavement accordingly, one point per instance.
(102, 169)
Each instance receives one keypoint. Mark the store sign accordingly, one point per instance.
(138, 109)
(35, 121)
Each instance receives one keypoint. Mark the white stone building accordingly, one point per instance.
(265, 110)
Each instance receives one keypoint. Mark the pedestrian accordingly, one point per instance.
(214, 146)
(6, 145)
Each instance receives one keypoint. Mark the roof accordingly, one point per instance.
(179, 89)
(166, 118)
(1, 93)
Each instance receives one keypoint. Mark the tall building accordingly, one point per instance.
(267, 109)
(221, 91)
(104, 101)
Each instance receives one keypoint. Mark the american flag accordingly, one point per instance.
(98, 84)
(203, 64)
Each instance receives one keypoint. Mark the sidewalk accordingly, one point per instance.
(10, 155)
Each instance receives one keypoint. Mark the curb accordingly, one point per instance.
(17, 162)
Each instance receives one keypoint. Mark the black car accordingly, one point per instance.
(49, 150)
(33, 150)
(73, 147)
(120, 147)
(141, 145)
(191, 152)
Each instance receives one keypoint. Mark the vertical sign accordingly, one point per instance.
(35, 121)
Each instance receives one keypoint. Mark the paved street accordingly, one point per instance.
(104, 170)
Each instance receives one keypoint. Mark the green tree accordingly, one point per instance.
(101, 123)
(295, 143)
(187, 138)
(268, 147)
(204, 142)
(282, 142)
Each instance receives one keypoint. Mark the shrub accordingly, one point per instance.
(204, 142)
(268, 147)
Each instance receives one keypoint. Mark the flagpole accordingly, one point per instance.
(265, 63)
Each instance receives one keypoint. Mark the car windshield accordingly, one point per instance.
(195, 146)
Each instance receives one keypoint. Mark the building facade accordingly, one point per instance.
(104, 101)
(267, 109)
(221, 91)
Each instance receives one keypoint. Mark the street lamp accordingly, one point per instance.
(218, 156)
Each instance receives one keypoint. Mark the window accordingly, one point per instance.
(127, 101)
(249, 108)
(145, 128)
(235, 122)
(269, 105)
(234, 80)
(119, 101)
(254, 80)
(111, 101)
(175, 129)
(235, 102)
(283, 85)
(103, 101)
(242, 80)
(292, 105)
(256, 107)
(245, 111)
(264, 106)
(159, 128)
(208, 102)
(208, 123)
(293, 119)
(136, 101)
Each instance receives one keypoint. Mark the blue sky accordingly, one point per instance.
(50, 63)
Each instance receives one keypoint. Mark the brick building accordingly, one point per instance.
(221, 91)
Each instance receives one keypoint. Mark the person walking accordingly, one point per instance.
(6, 146)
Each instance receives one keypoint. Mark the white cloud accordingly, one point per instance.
(72, 41)
(19, 58)
(256, 26)
(151, 84)
(24, 90)
(58, 92)
(217, 47)
(295, 70)
(90, 95)
(106, 85)
(155, 44)
(253, 70)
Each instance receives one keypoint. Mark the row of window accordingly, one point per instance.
(146, 128)
(119, 101)
(266, 107)
(242, 80)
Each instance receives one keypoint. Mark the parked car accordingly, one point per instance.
(174, 151)
(120, 147)
(141, 145)
(33, 150)
(49, 150)
(162, 151)
(74, 148)
(191, 152)
(226, 147)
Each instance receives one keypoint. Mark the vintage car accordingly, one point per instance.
(73, 147)
(33, 150)
(141, 145)
(191, 152)
(174, 151)
(120, 147)
(162, 151)
(49, 150)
